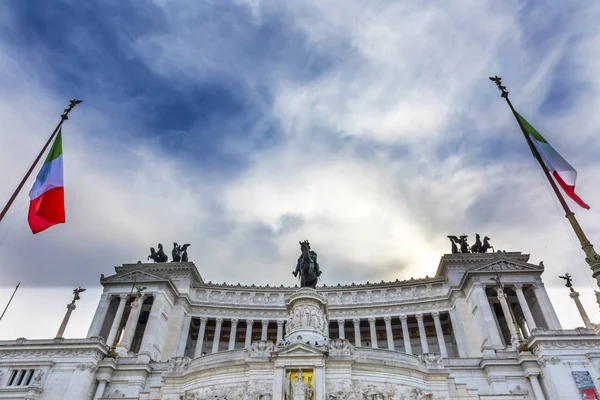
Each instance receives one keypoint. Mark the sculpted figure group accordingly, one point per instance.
(460, 244)
(179, 253)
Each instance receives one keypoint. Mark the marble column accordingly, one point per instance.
(61, 330)
(117, 321)
(217, 337)
(157, 341)
(523, 325)
(99, 316)
(422, 334)
(373, 333)
(586, 320)
(341, 322)
(320, 392)
(546, 306)
(183, 338)
(132, 321)
(525, 307)
(388, 332)
(200, 341)
(559, 381)
(278, 383)
(440, 334)
(249, 324)
(537, 388)
(100, 389)
(488, 322)
(232, 334)
(405, 334)
(280, 324)
(357, 340)
(265, 327)
(458, 335)
(508, 316)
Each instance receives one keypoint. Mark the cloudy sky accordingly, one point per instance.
(369, 128)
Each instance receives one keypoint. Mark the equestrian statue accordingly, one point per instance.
(307, 266)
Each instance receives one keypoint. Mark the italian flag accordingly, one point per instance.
(47, 196)
(561, 170)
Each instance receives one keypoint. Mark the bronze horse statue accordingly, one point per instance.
(307, 266)
(158, 256)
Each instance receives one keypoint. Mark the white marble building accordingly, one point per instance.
(452, 336)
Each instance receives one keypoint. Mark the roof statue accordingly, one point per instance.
(307, 266)
(569, 280)
(179, 253)
(158, 256)
(478, 247)
(76, 293)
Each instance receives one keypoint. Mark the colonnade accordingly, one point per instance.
(415, 334)
(390, 338)
(521, 320)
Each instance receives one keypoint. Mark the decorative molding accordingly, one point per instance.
(504, 266)
(87, 366)
(545, 360)
(133, 276)
(62, 352)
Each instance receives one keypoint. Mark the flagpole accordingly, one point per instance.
(11, 297)
(592, 258)
(64, 116)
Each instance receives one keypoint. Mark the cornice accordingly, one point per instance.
(164, 268)
(470, 260)
(23, 348)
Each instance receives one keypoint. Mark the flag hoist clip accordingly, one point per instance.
(591, 257)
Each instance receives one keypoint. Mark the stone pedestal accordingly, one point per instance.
(307, 317)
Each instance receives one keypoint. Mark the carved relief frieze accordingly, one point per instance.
(307, 315)
(38, 353)
(343, 298)
(432, 360)
(340, 347)
(348, 390)
(260, 390)
(417, 394)
(260, 348)
(179, 364)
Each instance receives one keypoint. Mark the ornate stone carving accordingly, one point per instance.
(259, 390)
(548, 360)
(223, 393)
(374, 391)
(504, 266)
(340, 347)
(87, 366)
(179, 364)
(432, 360)
(343, 390)
(137, 276)
(519, 390)
(416, 394)
(260, 348)
(306, 315)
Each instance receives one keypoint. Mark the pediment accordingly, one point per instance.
(505, 265)
(301, 349)
(137, 276)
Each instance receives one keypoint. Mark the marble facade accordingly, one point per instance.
(452, 336)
